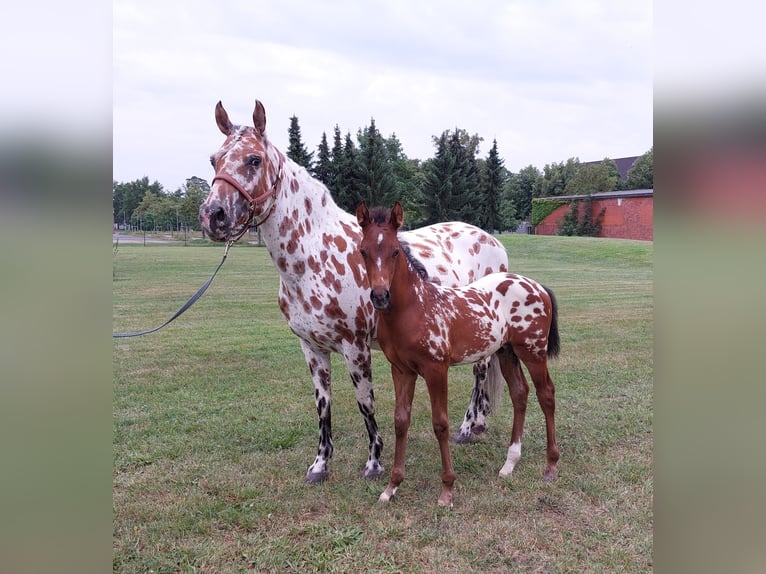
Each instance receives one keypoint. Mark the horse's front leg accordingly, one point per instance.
(404, 389)
(436, 380)
(358, 364)
(319, 366)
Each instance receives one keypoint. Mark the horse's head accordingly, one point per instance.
(247, 176)
(380, 249)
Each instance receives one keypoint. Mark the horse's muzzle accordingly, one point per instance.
(213, 220)
(381, 299)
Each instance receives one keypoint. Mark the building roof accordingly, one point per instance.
(623, 164)
(606, 194)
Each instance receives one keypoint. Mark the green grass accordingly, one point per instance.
(215, 425)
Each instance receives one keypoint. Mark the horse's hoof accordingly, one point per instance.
(550, 475)
(387, 494)
(317, 477)
(460, 438)
(373, 473)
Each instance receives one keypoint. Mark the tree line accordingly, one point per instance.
(455, 184)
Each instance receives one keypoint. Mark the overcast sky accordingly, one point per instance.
(549, 80)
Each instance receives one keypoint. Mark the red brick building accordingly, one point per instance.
(629, 214)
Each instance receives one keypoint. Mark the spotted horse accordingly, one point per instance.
(424, 328)
(323, 291)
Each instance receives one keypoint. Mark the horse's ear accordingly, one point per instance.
(397, 215)
(222, 119)
(259, 117)
(362, 215)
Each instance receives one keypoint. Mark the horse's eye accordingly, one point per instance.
(212, 161)
(363, 253)
(395, 253)
(254, 160)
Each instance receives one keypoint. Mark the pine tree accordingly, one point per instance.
(323, 169)
(465, 203)
(296, 150)
(437, 190)
(492, 187)
(377, 185)
(345, 193)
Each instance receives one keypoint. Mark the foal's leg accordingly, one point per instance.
(319, 366)
(475, 419)
(358, 364)
(404, 389)
(436, 381)
(546, 396)
(519, 389)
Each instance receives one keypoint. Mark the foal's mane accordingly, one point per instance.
(381, 216)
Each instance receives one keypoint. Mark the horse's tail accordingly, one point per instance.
(494, 384)
(554, 344)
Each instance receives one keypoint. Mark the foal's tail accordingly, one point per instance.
(494, 384)
(554, 344)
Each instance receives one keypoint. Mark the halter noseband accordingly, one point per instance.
(254, 201)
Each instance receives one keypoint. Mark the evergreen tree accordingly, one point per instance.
(438, 187)
(374, 171)
(296, 150)
(345, 192)
(492, 187)
(465, 203)
(336, 163)
(323, 170)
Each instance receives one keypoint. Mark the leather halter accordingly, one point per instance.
(254, 201)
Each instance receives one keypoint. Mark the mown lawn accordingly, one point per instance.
(215, 425)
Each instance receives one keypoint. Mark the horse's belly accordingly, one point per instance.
(329, 320)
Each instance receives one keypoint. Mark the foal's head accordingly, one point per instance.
(380, 249)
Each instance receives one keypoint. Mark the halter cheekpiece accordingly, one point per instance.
(254, 201)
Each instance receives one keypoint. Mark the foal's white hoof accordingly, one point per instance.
(387, 495)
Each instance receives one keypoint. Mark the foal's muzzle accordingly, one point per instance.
(381, 299)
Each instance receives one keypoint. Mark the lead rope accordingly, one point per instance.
(188, 304)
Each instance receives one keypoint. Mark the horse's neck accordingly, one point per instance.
(304, 214)
(407, 286)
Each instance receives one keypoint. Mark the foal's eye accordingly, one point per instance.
(254, 160)
(212, 161)
(363, 253)
(395, 253)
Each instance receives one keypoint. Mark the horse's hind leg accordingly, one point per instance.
(475, 419)
(546, 396)
(519, 390)
(319, 365)
(358, 363)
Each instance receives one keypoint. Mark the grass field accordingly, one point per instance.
(215, 425)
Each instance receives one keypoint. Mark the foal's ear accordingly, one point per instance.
(362, 215)
(222, 119)
(259, 117)
(397, 215)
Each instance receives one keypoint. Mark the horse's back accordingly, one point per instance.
(456, 253)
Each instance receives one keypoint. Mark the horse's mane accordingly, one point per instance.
(381, 216)
(414, 262)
